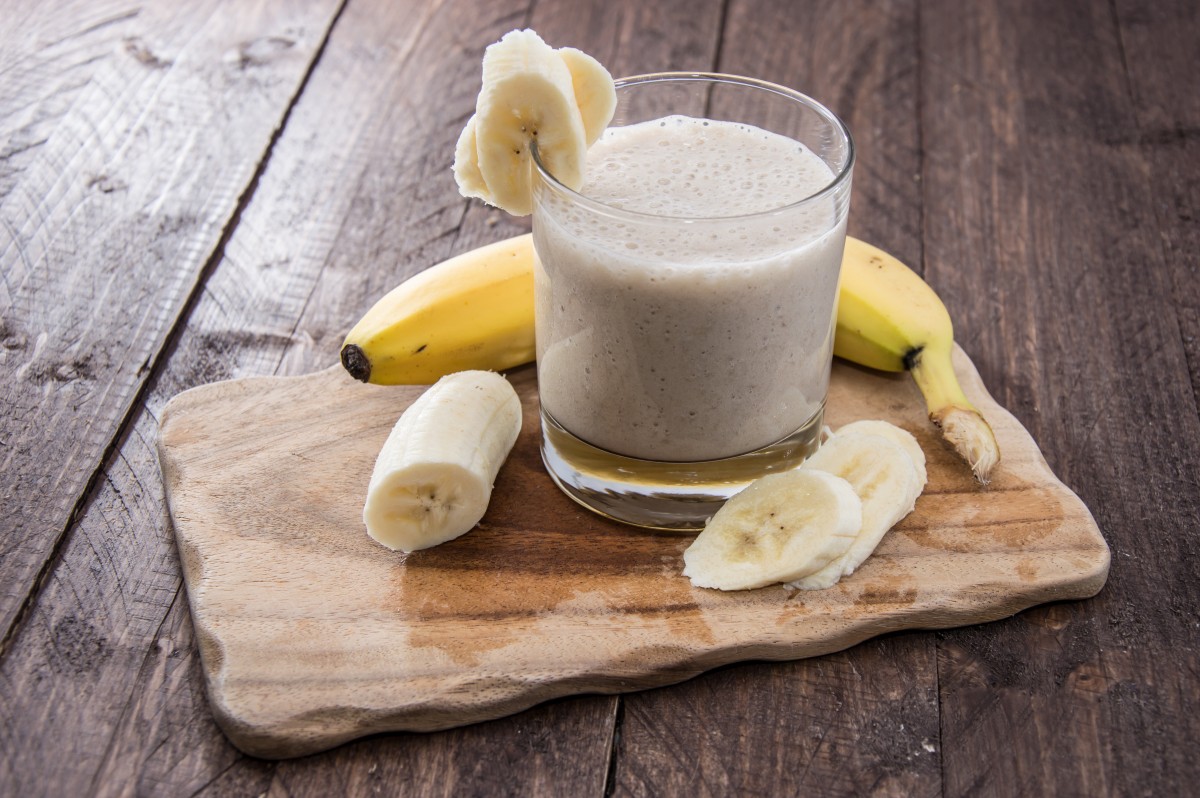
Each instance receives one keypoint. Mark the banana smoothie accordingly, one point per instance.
(685, 302)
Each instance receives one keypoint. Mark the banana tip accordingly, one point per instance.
(356, 362)
(972, 437)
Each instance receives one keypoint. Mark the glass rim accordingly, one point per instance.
(839, 179)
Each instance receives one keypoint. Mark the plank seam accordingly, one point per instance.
(921, 257)
(1116, 23)
(721, 22)
(920, 141)
(213, 780)
(156, 359)
(455, 231)
(722, 18)
(610, 776)
(112, 741)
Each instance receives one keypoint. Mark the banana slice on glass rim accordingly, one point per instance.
(562, 99)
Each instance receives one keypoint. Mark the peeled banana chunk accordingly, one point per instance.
(433, 478)
(781, 528)
(896, 435)
(884, 476)
(562, 99)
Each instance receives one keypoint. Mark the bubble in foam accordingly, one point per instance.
(775, 170)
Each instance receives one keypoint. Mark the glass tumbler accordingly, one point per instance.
(682, 357)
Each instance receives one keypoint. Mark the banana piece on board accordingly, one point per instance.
(885, 478)
(780, 528)
(560, 99)
(895, 434)
(433, 478)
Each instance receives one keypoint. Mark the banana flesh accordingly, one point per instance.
(781, 528)
(889, 318)
(473, 311)
(559, 99)
(595, 94)
(884, 476)
(433, 477)
(801, 526)
(894, 434)
(476, 311)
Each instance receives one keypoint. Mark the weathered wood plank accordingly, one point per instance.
(48, 54)
(1042, 229)
(1159, 46)
(865, 720)
(357, 192)
(106, 230)
(104, 666)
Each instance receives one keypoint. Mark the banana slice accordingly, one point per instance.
(887, 481)
(595, 94)
(528, 95)
(466, 164)
(562, 99)
(780, 528)
(894, 434)
(433, 478)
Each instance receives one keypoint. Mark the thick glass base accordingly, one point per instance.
(663, 495)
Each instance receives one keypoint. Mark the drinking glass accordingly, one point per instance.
(681, 358)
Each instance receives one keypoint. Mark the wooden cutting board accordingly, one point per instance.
(311, 634)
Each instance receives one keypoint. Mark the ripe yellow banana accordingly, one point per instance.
(475, 311)
(890, 319)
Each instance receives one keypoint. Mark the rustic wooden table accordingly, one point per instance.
(197, 191)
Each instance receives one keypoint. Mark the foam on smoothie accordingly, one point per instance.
(684, 167)
(703, 335)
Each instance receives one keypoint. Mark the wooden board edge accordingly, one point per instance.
(321, 730)
(977, 392)
(327, 728)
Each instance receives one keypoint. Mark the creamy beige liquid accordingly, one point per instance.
(688, 338)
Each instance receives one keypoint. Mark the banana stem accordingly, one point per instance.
(356, 362)
(961, 423)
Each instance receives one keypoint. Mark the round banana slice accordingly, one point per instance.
(894, 434)
(887, 481)
(466, 164)
(433, 478)
(780, 528)
(595, 94)
(528, 95)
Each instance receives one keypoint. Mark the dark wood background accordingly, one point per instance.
(202, 190)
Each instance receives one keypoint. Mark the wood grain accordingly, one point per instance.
(48, 56)
(330, 227)
(311, 634)
(1156, 44)
(1043, 226)
(109, 225)
(839, 724)
(1076, 313)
